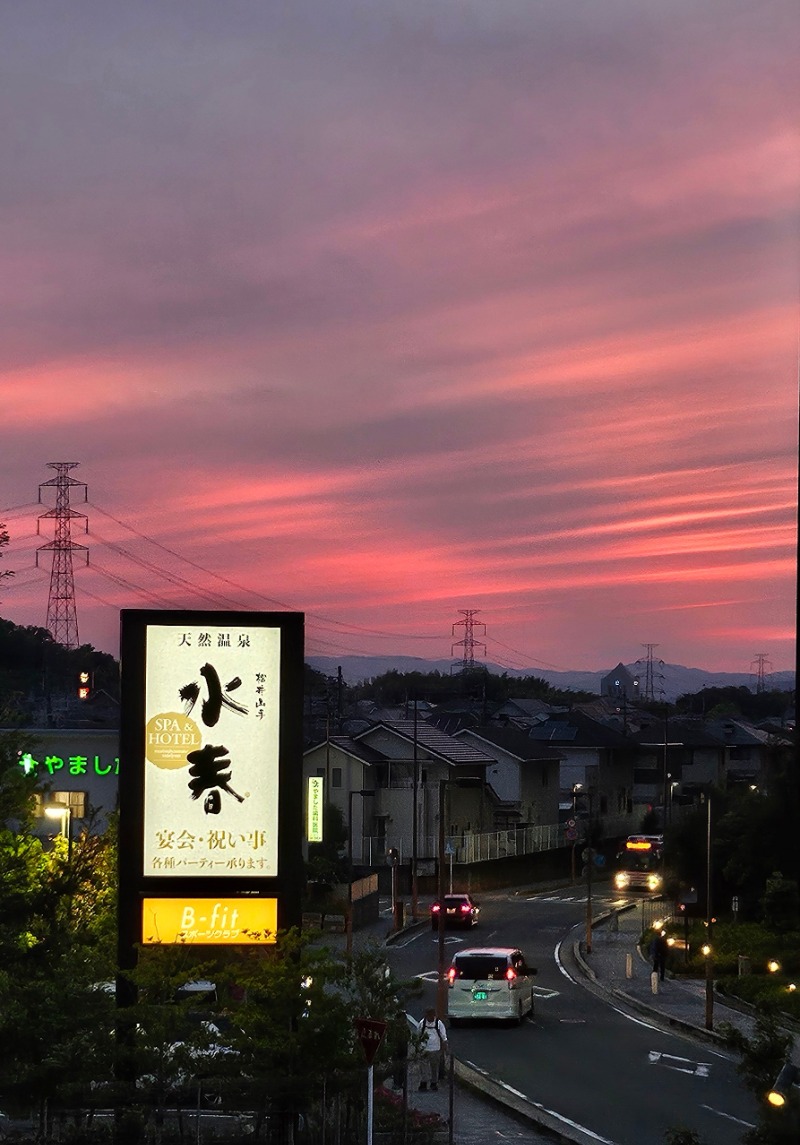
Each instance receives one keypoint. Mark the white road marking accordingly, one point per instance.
(728, 1116)
(682, 1065)
(616, 1009)
(554, 898)
(543, 992)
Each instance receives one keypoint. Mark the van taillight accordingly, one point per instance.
(452, 974)
(511, 974)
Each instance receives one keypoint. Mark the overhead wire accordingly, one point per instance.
(341, 629)
(318, 618)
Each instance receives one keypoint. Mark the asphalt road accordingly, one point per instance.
(581, 1058)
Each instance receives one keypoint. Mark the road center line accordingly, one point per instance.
(728, 1116)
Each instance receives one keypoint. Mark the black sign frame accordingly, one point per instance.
(134, 885)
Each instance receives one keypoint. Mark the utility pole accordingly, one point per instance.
(62, 616)
(414, 824)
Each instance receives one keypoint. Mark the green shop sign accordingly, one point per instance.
(69, 765)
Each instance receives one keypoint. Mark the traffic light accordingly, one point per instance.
(84, 685)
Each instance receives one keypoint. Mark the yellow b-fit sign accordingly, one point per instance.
(210, 922)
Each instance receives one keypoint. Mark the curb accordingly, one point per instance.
(656, 1016)
(522, 1108)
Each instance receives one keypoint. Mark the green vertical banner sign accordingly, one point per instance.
(314, 808)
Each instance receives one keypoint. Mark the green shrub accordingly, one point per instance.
(764, 991)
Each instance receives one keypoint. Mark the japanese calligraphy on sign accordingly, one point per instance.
(314, 809)
(211, 751)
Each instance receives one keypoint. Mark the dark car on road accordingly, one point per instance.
(459, 910)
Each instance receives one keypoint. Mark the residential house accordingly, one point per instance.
(403, 765)
(598, 758)
(525, 774)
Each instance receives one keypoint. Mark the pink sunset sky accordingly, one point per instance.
(387, 309)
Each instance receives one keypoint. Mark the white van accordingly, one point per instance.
(490, 982)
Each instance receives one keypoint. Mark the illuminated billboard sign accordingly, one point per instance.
(209, 921)
(210, 777)
(211, 715)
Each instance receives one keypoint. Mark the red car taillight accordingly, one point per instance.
(465, 908)
(435, 908)
(510, 974)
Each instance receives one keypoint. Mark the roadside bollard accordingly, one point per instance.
(654, 981)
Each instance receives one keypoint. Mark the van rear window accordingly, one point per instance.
(480, 966)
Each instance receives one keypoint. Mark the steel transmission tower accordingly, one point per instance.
(62, 616)
(650, 664)
(763, 667)
(468, 643)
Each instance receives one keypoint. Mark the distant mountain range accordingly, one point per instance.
(670, 680)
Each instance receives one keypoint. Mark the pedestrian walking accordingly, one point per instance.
(658, 953)
(434, 1045)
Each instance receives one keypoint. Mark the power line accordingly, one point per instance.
(322, 620)
(531, 660)
(145, 593)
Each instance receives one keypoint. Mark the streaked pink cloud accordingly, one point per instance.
(385, 313)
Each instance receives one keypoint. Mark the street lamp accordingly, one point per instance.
(62, 811)
(707, 951)
(667, 744)
(589, 865)
(782, 1085)
(441, 988)
(576, 788)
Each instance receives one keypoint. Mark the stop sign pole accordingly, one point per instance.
(370, 1033)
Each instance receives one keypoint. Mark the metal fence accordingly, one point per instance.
(466, 848)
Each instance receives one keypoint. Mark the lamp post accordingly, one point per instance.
(62, 811)
(782, 1086)
(576, 788)
(364, 795)
(667, 744)
(589, 865)
(441, 987)
(415, 818)
(708, 949)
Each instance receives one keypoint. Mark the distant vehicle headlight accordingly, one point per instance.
(621, 880)
(653, 882)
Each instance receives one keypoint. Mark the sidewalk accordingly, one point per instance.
(679, 1003)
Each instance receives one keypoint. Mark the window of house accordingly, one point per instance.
(336, 777)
